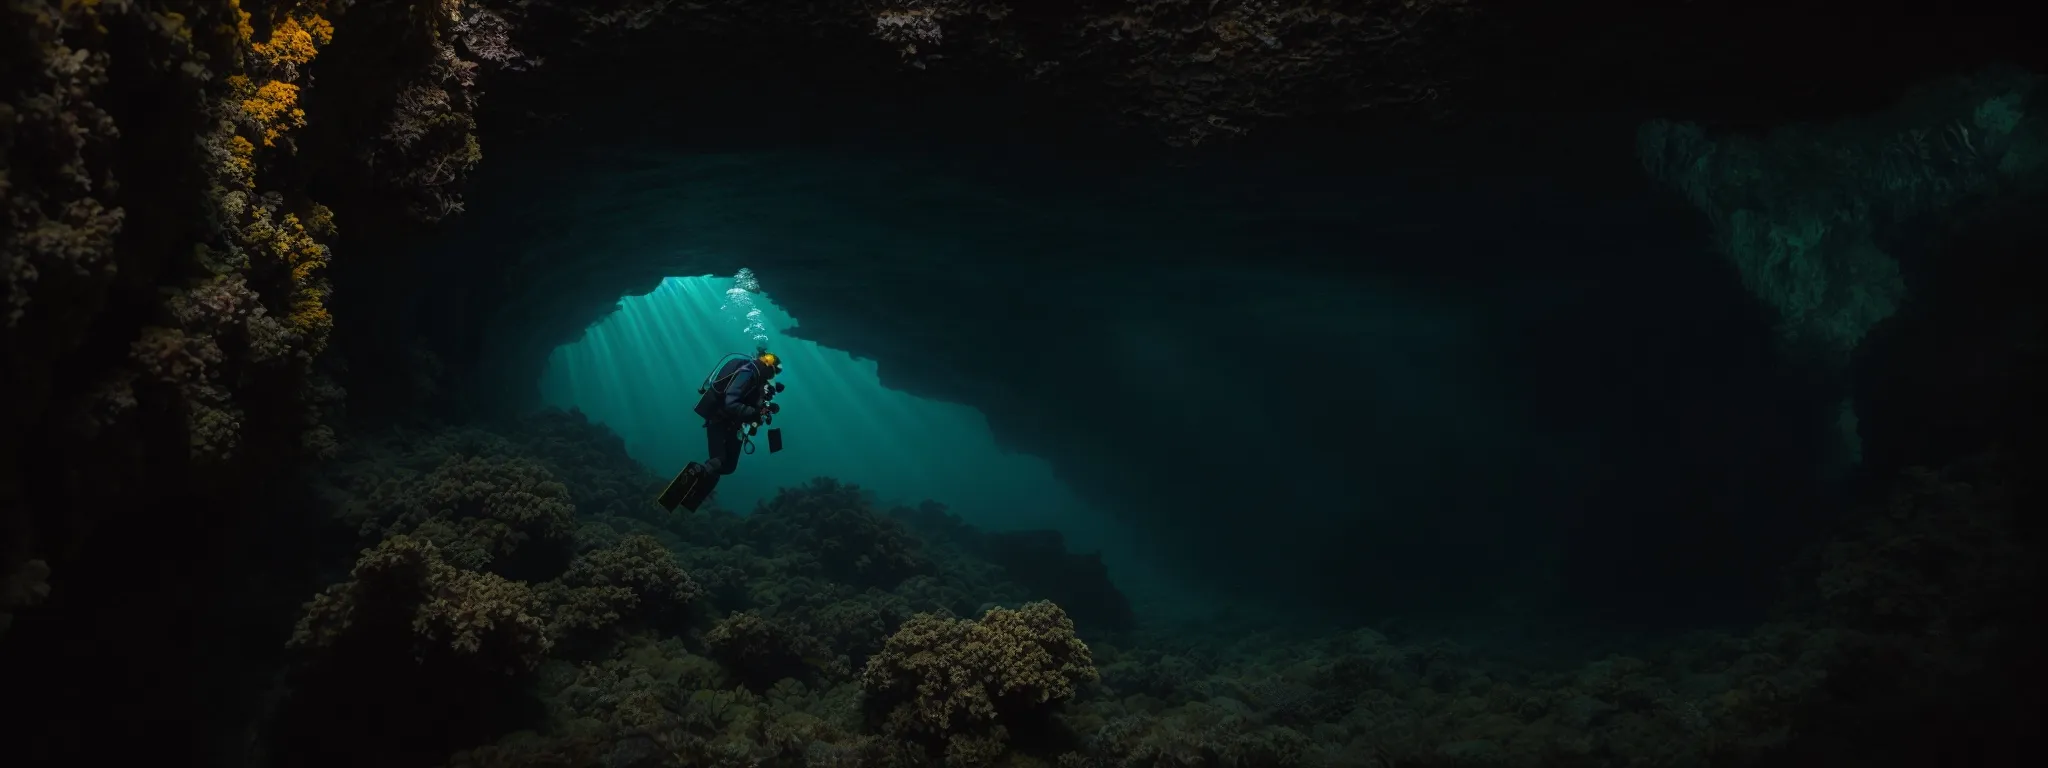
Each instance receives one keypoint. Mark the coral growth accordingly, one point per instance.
(772, 679)
(161, 253)
(831, 524)
(402, 589)
(482, 509)
(674, 640)
(633, 580)
(90, 275)
(647, 709)
(57, 140)
(761, 651)
(960, 683)
(238, 80)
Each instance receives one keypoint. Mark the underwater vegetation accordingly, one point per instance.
(166, 267)
(520, 601)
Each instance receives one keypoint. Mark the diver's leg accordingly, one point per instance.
(714, 440)
(732, 452)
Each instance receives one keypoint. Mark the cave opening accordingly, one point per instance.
(637, 372)
(1483, 370)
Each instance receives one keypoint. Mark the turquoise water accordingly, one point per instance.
(637, 371)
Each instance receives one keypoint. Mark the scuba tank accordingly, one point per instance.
(704, 386)
(711, 391)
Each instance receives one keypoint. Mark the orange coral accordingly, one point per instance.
(243, 30)
(309, 293)
(294, 41)
(274, 106)
(289, 242)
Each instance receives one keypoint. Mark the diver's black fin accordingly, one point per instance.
(701, 490)
(689, 488)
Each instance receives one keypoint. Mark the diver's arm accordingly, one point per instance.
(735, 390)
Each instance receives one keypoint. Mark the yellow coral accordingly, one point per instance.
(174, 24)
(308, 259)
(309, 314)
(241, 157)
(243, 29)
(294, 41)
(274, 106)
(321, 222)
(83, 13)
(287, 242)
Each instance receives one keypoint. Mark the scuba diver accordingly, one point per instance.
(735, 400)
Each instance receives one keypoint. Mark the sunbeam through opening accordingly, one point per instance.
(637, 372)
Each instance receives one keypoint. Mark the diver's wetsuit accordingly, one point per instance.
(733, 400)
